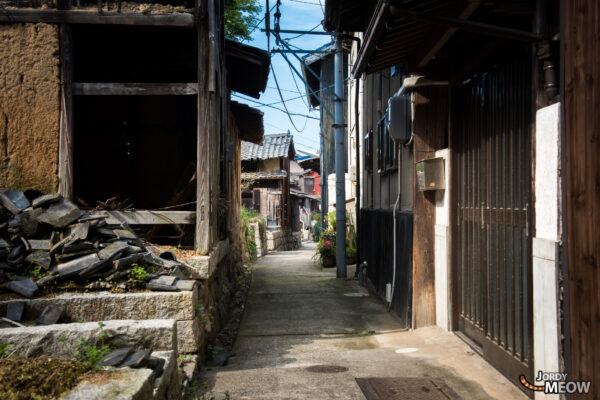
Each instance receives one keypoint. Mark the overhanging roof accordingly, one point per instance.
(248, 68)
(389, 41)
(347, 15)
(252, 176)
(249, 121)
(313, 61)
(274, 146)
(415, 32)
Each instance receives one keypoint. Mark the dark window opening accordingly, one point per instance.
(134, 54)
(386, 147)
(133, 147)
(369, 152)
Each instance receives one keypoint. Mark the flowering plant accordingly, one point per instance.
(325, 248)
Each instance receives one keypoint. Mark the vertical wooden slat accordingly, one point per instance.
(65, 150)
(203, 164)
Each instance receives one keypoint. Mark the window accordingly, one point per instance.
(369, 152)
(386, 147)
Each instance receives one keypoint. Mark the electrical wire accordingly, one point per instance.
(305, 2)
(260, 104)
(302, 34)
(259, 22)
(285, 105)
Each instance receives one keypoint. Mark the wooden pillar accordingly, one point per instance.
(65, 149)
(203, 164)
(430, 132)
(582, 127)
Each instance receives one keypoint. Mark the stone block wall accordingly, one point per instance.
(283, 240)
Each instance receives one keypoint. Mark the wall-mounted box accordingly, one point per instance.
(431, 174)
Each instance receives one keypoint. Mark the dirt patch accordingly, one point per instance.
(182, 254)
(28, 378)
(102, 377)
(29, 106)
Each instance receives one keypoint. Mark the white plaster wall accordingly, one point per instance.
(331, 199)
(545, 245)
(546, 172)
(545, 311)
(441, 249)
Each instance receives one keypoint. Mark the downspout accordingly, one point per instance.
(357, 145)
(340, 178)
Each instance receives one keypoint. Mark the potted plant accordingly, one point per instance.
(350, 255)
(326, 252)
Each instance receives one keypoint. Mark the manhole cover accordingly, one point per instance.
(405, 388)
(327, 369)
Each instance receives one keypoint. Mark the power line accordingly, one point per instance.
(285, 105)
(302, 34)
(259, 22)
(305, 2)
(260, 104)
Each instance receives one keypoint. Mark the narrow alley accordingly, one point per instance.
(307, 335)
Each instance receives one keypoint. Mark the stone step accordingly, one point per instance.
(61, 340)
(102, 306)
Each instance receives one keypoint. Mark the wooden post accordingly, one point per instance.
(65, 150)
(203, 165)
(582, 124)
(430, 132)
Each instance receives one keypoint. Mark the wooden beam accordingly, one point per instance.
(65, 136)
(120, 89)
(433, 47)
(203, 165)
(147, 217)
(94, 18)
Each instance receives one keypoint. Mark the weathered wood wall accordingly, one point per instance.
(582, 131)
(430, 127)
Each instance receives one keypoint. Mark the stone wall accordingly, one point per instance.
(261, 245)
(283, 240)
(29, 106)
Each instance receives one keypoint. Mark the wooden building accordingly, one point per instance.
(266, 179)
(130, 102)
(499, 99)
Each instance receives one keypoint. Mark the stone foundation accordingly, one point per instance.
(283, 240)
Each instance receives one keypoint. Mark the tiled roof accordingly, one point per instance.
(274, 146)
(263, 175)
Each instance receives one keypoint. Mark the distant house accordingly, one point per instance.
(266, 178)
(304, 194)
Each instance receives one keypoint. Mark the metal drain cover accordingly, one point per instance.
(327, 369)
(405, 388)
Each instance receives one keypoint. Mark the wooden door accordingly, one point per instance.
(491, 128)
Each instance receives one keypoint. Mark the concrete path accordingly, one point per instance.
(299, 315)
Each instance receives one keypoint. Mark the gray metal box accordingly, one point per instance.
(431, 174)
(399, 119)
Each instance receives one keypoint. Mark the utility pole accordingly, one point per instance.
(340, 181)
(324, 183)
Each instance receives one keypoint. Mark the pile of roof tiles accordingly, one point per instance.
(48, 240)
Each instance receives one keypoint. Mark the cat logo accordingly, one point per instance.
(556, 383)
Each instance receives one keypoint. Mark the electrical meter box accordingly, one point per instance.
(431, 174)
(399, 118)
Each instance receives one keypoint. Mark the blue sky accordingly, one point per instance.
(297, 15)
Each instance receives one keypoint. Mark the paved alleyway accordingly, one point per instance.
(299, 315)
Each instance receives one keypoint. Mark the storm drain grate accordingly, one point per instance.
(405, 388)
(327, 369)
